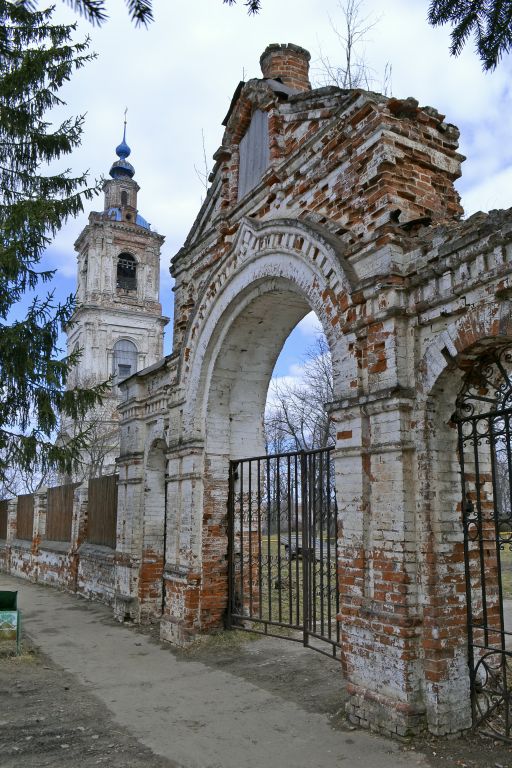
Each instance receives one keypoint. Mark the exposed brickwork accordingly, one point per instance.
(355, 217)
(72, 565)
(289, 63)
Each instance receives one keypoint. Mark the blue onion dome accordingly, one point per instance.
(123, 150)
(122, 168)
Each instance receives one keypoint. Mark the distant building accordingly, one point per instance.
(118, 324)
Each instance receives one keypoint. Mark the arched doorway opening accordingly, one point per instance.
(281, 530)
(296, 416)
(275, 274)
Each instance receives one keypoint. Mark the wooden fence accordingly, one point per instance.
(102, 511)
(25, 517)
(59, 512)
(3, 518)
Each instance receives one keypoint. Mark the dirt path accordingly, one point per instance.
(48, 719)
(108, 693)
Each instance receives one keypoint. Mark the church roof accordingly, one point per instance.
(116, 215)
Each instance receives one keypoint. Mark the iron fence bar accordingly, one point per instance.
(260, 580)
(231, 564)
(305, 544)
(249, 467)
(297, 576)
(278, 511)
(506, 420)
(312, 541)
(289, 520)
(328, 528)
(307, 549)
(498, 564)
(322, 560)
(269, 534)
(497, 539)
(241, 538)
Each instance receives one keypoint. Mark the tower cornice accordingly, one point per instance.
(97, 220)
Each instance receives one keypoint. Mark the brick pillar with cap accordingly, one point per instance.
(288, 63)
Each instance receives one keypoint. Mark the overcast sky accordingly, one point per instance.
(177, 79)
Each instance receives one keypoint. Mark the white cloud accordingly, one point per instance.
(491, 192)
(310, 325)
(177, 79)
(282, 383)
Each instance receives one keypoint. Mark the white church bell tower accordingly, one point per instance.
(118, 323)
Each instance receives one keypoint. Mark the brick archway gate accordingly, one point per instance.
(341, 202)
(238, 336)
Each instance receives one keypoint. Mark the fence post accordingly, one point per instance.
(79, 518)
(12, 509)
(78, 532)
(39, 518)
(38, 530)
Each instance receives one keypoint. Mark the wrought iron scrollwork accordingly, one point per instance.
(487, 386)
(491, 692)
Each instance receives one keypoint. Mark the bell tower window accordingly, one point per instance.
(124, 198)
(125, 359)
(126, 272)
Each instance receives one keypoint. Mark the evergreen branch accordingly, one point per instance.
(36, 58)
(253, 6)
(490, 21)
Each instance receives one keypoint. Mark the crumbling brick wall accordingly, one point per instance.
(72, 564)
(355, 217)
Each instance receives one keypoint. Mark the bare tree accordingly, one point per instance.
(203, 172)
(99, 427)
(17, 481)
(98, 455)
(296, 418)
(354, 72)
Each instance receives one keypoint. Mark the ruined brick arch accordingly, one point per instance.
(444, 364)
(470, 334)
(441, 571)
(257, 294)
(274, 275)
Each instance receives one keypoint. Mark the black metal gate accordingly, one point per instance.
(484, 420)
(283, 577)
